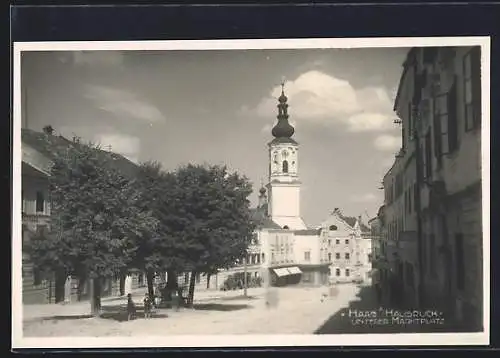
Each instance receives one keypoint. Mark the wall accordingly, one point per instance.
(285, 200)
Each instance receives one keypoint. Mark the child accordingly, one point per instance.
(131, 311)
(147, 306)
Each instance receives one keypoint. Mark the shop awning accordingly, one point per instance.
(281, 272)
(294, 270)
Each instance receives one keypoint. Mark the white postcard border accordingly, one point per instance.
(429, 339)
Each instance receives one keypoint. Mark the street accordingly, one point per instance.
(299, 311)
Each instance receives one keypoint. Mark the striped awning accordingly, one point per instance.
(294, 270)
(281, 272)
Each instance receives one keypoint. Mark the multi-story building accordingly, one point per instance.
(433, 190)
(347, 250)
(38, 150)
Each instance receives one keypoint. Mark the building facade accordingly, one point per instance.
(433, 208)
(37, 151)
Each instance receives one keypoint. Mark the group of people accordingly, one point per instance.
(151, 302)
(148, 302)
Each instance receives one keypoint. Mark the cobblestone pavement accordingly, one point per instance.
(300, 310)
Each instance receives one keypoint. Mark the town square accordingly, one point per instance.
(179, 193)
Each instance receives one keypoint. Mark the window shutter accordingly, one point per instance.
(452, 119)
(476, 84)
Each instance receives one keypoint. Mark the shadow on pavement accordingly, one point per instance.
(236, 298)
(111, 312)
(365, 316)
(219, 307)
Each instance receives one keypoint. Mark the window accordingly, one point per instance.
(329, 242)
(369, 257)
(337, 241)
(428, 156)
(472, 88)
(452, 119)
(307, 255)
(333, 227)
(347, 256)
(445, 124)
(337, 272)
(329, 256)
(460, 261)
(286, 227)
(347, 272)
(263, 256)
(40, 202)
(285, 166)
(347, 241)
(337, 255)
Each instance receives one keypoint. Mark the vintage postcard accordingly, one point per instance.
(251, 193)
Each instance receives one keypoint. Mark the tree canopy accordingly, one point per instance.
(95, 224)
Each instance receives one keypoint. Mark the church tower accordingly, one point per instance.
(284, 183)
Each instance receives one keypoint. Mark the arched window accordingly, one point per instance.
(286, 227)
(333, 227)
(329, 256)
(337, 272)
(285, 166)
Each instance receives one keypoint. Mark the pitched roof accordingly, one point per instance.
(260, 218)
(48, 145)
(308, 232)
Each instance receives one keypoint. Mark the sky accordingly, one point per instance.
(218, 107)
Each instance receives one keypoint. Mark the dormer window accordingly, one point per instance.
(286, 227)
(332, 227)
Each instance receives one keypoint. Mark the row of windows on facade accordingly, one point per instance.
(443, 134)
(338, 273)
(39, 202)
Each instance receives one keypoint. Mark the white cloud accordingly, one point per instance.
(123, 104)
(368, 121)
(317, 97)
(387, 142)
(364, 198)
(126, 145)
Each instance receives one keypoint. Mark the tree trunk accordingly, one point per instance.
(95, 296)
(208, 281)
(122, 284)
(81, 286)
(150, 276)
(192, 282)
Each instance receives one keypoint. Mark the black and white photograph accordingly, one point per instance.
(251, 192)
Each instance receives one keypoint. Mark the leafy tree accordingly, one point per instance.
(96, 225)
(159, 252)
(209, 213)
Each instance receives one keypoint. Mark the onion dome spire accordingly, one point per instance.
(283, 129)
